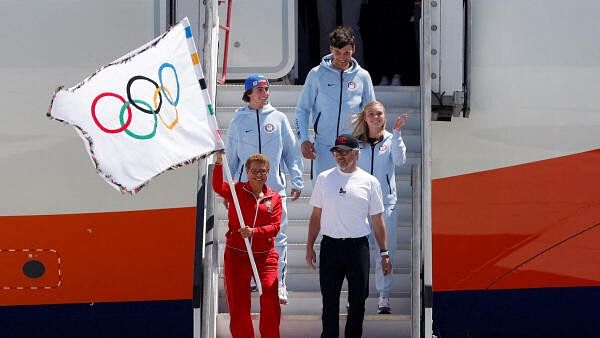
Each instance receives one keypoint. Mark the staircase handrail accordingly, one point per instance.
(416, 260)
(227, 29)
(210, 261)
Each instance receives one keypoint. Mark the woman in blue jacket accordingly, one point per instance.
(381, 151)
(260, 128)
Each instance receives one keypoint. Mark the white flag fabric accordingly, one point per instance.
(143, 113)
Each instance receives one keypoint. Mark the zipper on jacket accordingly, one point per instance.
(372, 156)
(258, 128)
(258, 200)
(282, 176)
(255, 216)
(317, 123)
(337, 132)
(387, 178)
(241, 171)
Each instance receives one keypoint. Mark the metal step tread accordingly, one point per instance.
(287, 95)
(343, 295)
(391, 89)
(301, 208)
(403, 185)
(309, 282)
(303, 222)
(292, 109)
(302, 246)
(405, 132)
(304, 270)
(225, 114)
(317, 317)
(306, 200)
(400, 177)
(300, 222)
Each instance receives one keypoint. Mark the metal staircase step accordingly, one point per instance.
(411, 137)
(411, 158)
(300, 209)
(224, 115)
(297, 231)
(287, 95)
(307, 280)
(297, 253)
(305, 303)
(403, 185)
(309, 326)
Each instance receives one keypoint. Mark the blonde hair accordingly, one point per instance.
(260, 158)
(361, 128)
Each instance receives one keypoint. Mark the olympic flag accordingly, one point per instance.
(143, 113)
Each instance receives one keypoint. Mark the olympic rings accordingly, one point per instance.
(140, 77)
(103, 128)
(145, 107)
(168, 96)
(132, 134)
(168, 65)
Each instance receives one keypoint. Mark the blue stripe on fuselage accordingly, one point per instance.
(100, 320)
(526, 313)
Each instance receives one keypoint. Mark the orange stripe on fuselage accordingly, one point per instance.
(527, 226)
(104, 257)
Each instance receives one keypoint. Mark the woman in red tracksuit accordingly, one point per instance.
(261, 210)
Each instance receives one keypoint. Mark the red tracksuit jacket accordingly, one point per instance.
(264, 215)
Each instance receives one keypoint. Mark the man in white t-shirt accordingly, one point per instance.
(343, 198)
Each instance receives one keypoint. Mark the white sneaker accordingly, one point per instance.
(283, 295)
(384, 81)
(396, 80)
(384, 306)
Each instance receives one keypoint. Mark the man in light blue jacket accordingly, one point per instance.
(334, 91)
(260, 128)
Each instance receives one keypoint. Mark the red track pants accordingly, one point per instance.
(238, 273)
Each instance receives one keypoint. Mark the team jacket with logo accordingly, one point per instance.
(332, 97)
(266, 131)
(380, 160)
(262, 215)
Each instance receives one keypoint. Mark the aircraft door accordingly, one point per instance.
(449, 25)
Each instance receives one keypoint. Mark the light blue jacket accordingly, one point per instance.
(266, 131)
(380, 160)
(332, 97)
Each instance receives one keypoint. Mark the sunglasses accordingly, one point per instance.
(259, 171)
(341, 152)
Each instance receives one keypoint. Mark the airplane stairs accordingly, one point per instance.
(302, 316)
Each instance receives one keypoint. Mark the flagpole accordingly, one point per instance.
(220, 144)
(242, 224)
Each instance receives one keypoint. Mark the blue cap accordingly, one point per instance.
(255, 80)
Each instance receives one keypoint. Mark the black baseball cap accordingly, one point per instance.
(345, 142)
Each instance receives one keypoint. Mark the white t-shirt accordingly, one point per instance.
(347, 200)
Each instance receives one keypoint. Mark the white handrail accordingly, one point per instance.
(416, 260)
